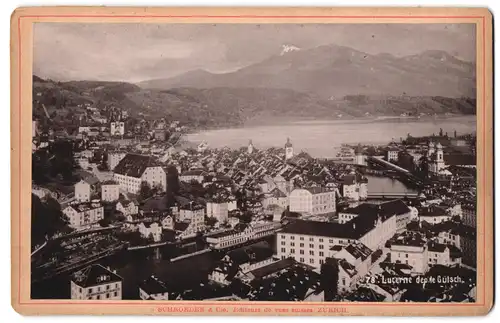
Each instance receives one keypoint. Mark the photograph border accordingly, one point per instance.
(22, 21)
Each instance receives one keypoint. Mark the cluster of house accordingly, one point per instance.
(439, 152)
(274, 181)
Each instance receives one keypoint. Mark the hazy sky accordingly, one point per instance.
(135, 52)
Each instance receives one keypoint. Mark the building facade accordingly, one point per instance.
(83, 214)
(218, 210)
(82, 191)
(96, 283)
(110, 191)
(117, 128)
(313, 200)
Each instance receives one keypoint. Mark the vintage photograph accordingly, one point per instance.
(308, 162)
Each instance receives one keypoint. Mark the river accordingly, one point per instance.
(320, 137)
(387, 185)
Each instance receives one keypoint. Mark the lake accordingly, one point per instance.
(319, 138)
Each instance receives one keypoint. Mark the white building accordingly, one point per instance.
(354, 262)
(444, 255)
(114, 158)
(218, 210)
(355, 187)
(433, 214)
(411, 249)
(197, 175)
(83, 214)
(312, 200)
(276, 197)
(82, 191)
(153, 230)
(127, 207)
(469, 215)
(97, 283)
(134, 169)
(395, 208)
(190, 212)
(110, 191)
(310, 242)
(392, 154)
(153, 289)
(117, 128)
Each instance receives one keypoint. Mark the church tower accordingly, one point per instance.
(439, 157)
(431, 150)
(288, 149)
(250, 147)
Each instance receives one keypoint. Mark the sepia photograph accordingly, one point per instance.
(255, 162)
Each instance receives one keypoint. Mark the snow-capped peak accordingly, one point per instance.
(288, 48)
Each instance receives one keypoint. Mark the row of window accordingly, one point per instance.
(283, 236)
(301, 251)
(108, 295)
(311, 239)
(311, 245)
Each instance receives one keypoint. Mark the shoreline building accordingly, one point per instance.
(84, 214)
(96, 282)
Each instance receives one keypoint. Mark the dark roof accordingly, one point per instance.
(431, 211)
(395, 207)
(222, 234)
(317, 189)
(181, 226)
(273, 268)
(253, 253)
(156, 203)
(455, 228)
(409, 238)
(94, 275)
(354, 229)
(348, 268)
(110, 182)
(459, 159)
(436, 247)
(359, 250)
(194, 172)
(277, 193)
(134, 165)
(153, 285)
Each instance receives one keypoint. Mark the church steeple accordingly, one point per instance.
(288, 149)
(250, 147)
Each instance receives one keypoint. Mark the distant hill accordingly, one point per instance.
(226, 106)
(336, 71)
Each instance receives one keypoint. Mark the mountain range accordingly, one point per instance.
(333, 71)
(326, 82)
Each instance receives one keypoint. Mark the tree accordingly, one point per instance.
(47, 219)
(105, 222)
(173, 185)
(145, 190)
(211, 222)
